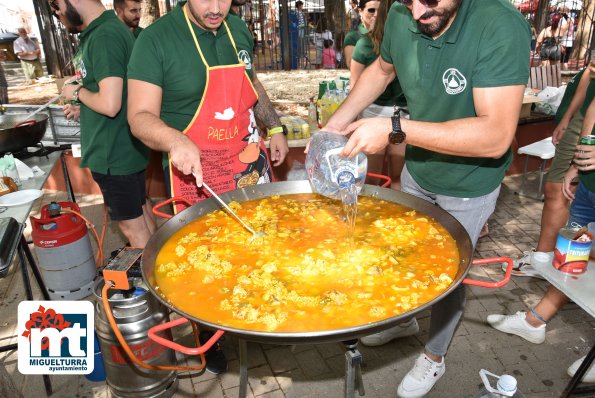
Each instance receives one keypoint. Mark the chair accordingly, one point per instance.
(544, 150)
(541, 77)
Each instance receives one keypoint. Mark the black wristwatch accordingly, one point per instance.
(397, 135)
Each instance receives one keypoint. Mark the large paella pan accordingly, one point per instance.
(262, 192)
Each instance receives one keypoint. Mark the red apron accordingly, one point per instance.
(232, 153)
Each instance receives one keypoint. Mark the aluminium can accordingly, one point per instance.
(587, 140)
(571, 254)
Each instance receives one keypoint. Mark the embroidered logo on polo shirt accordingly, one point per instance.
(244, 56)
(454, 81)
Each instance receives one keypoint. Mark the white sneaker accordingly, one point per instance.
(523, 266)
(401, 330)
(517, 324)
(589, 376)
(420, 380)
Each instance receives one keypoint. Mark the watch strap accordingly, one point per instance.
(75, 93)
(275, 130)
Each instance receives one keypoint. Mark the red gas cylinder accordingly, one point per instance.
(64, 252)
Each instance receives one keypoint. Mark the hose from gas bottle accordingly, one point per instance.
(110, 317)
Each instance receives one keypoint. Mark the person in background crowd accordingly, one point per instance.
(548, 42)
(464, 114)
(567, 39)
(3, 82)
(579, 91)
(328, 55)
(367, 10)
(353, 15)
(297, 20)
(117, 159)
(366, 51)
(531, 325)
(533, 34)
(29, 53)
(128, 11)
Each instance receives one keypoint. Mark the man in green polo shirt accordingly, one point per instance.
(463, 67)
(117, 160)
(194, 95)
(128, 11)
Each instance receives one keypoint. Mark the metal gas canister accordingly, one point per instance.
(63, 248)
(135, 312)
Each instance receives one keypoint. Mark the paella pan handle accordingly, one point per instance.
(492, 285)
(166, 202)
(26, 123)
(386, 179)
(178, 347)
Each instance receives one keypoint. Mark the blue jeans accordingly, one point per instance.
(472, 213)
(582, 210)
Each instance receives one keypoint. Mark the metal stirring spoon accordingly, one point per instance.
(255, 234)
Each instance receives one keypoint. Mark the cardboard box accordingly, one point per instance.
(528, 101)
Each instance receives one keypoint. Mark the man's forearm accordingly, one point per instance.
(99, 103)
(578, 98)
(264, 110)
(589, 120)
(153, 131)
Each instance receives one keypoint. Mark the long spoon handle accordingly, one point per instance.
(50, 102)
(233, 213)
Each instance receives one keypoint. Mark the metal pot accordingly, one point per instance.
(13, 138)
(294, 187)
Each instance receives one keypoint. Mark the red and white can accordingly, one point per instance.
(571, 254)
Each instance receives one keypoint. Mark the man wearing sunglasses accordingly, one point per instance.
(117, 159)
(463, 66)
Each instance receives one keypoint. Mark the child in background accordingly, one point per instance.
(328, 55)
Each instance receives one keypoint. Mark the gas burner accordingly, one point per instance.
(38, 150)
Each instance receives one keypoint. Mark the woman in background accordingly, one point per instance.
(367, 10)
(367, 49)
(548, 42)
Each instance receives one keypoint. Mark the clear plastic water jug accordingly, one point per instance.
(329, 173)
(506, 386)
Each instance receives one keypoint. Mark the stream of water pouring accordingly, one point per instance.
(349, 200)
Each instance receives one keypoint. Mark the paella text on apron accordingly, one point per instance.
(232, 153)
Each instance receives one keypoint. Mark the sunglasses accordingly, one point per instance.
(427, 3)
(54, 5)
(371, 11)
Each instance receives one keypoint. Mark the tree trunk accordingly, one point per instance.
(334, 13)
(583, 39)
(59, 46)
(541, 15)
(150, 12)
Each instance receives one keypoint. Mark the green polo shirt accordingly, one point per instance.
(353, 36)
(487, 45)
(165, 55)
(364, 54)
(108, 147)
(137, 31)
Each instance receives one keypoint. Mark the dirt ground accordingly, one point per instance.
(289, 91)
